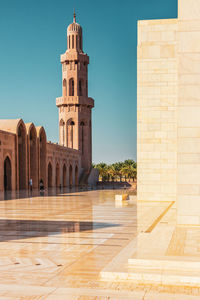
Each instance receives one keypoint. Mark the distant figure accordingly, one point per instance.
(31, 184)
(60, 186)
(41, 186)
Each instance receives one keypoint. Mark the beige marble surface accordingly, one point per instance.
(55, 246)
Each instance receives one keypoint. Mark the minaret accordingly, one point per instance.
(74, 105)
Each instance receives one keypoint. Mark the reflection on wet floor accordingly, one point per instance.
(60, 239)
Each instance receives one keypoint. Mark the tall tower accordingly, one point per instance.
(75, 130)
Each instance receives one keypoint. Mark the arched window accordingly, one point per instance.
(71, 87)
(64, 88)
(72, 134)
(77, 42)
(62, 132)
(80, 88)
(82, 136)
(80, 41)
(72, 41)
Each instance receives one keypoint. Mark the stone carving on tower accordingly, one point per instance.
(75, 130)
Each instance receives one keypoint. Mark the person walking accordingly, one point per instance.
(41, 187)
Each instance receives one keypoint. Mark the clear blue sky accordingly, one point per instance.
(33, 35)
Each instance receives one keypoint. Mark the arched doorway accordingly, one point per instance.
(57, 175)
(21, 137)
(7, 174)
(49, 175)
(33, 166)
(64, 176)
(70, 176)
(76, 176)
(42, 155)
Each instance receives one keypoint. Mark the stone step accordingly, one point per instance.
(163, 264)
(155, 277)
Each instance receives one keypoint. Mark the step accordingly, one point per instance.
(145, 276)
(164, 264)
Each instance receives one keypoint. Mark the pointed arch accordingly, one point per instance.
(42, 140)
(64, 87)
(70, 176)
(80, 87)
(57, 175)
(71, 87)
(32, 154)
(7, 174)
(82, 139)
(49, 175)
(70, 133)
(76, 176)
(62, 132)
(64, 175)
(21, 155)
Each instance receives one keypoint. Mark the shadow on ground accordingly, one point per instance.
(23, 229)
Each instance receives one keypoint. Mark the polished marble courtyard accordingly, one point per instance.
(81, 245)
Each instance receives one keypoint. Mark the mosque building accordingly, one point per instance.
(24, 151)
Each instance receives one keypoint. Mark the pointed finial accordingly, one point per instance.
(74, 16)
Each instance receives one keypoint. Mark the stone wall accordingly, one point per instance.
(188, 37)
(157, 115)
(62, 157)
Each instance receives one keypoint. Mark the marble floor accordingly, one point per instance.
(58, 245)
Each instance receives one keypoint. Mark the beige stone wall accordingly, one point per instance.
(157, 115)
(189, 9)
(169, 111)
(188, 195)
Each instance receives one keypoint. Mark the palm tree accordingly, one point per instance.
(128, 168)
(117, 169)
(129, 171)
(103, 170)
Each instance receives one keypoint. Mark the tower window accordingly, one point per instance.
(72, 41)
(69, 42)
(77, 41)
(82, 136)
(80, 41)
(64, 87)
(80, 88)
(71, 87)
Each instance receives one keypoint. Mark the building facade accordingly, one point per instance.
(24, 151)
(169, 111)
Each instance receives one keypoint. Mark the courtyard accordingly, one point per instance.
(64, 246)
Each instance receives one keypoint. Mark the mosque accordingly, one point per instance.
(24, 151)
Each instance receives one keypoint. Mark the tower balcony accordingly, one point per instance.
(74, 55)
(73, 100)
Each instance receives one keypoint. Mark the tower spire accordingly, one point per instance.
(74, 16)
